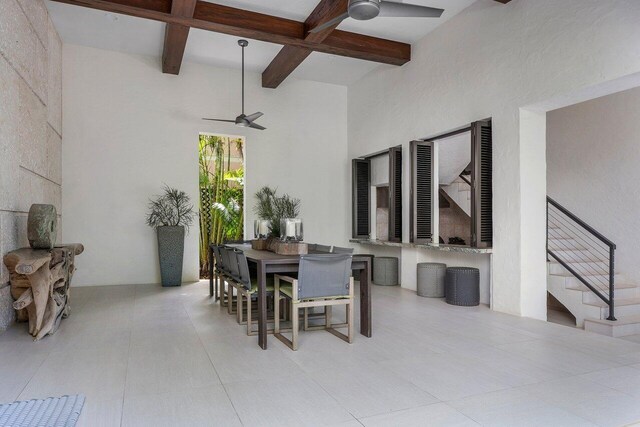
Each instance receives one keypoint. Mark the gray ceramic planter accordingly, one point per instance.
(171, 252)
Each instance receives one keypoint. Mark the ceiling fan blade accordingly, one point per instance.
(256, 126)
(254, 116)
(220, 120)
(392, 9)
(330, 23)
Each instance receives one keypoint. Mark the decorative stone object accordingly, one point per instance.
(431, 277)
(42, 226)
(385, 271)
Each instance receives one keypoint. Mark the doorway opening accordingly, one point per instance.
(221, 183)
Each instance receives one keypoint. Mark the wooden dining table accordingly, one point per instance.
(269, 262)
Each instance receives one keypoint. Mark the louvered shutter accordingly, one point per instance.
(395, 194)
(421, 192)
(361, 184)
(482, 184)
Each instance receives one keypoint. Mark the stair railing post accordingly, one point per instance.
(612, 275)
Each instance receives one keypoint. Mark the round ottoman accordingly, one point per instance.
(385, 271)
(431, 279)
(462, 286)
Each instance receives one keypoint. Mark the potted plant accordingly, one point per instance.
(274, 209)
(170, 214)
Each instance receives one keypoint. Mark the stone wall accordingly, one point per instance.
(30, 124)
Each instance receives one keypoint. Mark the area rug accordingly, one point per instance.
(52, 412)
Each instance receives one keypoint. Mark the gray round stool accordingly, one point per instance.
(462, 286)
(385, 271)
(431, 279)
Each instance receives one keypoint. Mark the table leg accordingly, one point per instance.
(262, 306)
(365, 300)
(210, 258)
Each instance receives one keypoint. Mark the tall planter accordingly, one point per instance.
(171, 254)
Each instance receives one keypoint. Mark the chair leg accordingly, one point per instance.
(248, 314)
(327, 316)
(239, 307)
(305, 325)
(276, 311)
(295, 326)
(350, 321)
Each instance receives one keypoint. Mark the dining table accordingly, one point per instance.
(268, 262)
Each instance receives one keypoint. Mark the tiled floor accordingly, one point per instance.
(147, 356)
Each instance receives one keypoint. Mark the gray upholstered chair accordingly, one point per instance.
(231, 273)
(339, 250)
(247, 289)
(218, 274)
(323, 281)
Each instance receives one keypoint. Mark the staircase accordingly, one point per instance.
(581, 275)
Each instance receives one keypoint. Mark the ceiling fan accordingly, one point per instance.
(244, 120)
(363, 10)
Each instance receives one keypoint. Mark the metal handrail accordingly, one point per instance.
(608, 299)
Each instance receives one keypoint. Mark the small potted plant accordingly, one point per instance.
(170, 214)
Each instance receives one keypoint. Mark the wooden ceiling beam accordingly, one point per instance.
(258, 26)
(290, 57)
(175, 37)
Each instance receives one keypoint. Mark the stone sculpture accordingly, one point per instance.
(41, 275)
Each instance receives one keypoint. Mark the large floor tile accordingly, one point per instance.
(553, 355)
(515, 408)
(166, 367)
(206, 406)
(370, 389)
(101, 413)
(436, 415)
(447, 376)
(295, 401)
(98, 373)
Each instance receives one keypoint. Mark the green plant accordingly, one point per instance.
(221, 193)
(172, 208)
(273, 208)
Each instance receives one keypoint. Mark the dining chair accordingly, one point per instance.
(339, 250)
(323, 281)
(230, 262)
(247, 290)
(219, 292)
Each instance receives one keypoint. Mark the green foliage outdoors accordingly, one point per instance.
(221, 194)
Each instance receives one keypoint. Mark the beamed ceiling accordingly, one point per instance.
(278, 30)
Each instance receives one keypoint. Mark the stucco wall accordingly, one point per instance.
(30, 125)
(504, 62)
(592, 169)
(129, 129)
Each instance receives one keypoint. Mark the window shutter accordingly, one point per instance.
(421, 191)
(360, 194)
(482, 184)
(395, 194)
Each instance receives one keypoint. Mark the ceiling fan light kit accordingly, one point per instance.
(243, 120)
(364, 10)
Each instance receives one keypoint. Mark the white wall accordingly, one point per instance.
(592, 169)
(129, 128)
(30, 125)
(495, 60)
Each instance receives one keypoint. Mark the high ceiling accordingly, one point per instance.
(104, 30)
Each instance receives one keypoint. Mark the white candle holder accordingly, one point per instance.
(291, 230)
(261, 228)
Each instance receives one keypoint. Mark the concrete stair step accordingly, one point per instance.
(624, 307)
(624, 326)
(565, 243)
